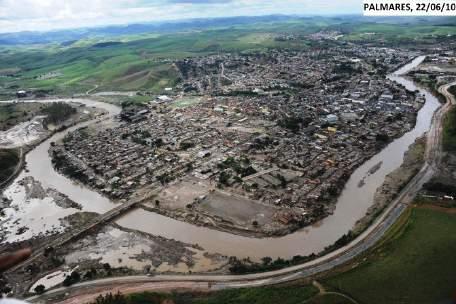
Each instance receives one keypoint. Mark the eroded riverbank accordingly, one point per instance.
(21, 207)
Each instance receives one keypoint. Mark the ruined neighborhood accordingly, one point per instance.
(228, 157)
(273, 134)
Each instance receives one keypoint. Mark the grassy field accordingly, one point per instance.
(129, 65)
(416, 266)
(449, 128)
(8, 161)
(186, 102)
(283, 295)
(413, 264)
(449, 131)
(264, 295)
(397, 33)
(452, 90)
(143, 62)
(329, 299)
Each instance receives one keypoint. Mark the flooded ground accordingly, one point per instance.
(53, 279)
(200, 202)
(238, 209)
(29, 215)
(33, 211)
(141, 252)
(23, 134)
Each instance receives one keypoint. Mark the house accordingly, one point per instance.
(348, 116)
(164, 98)
(204, 153)
(331, 118)
(21, 94)
(132, 116)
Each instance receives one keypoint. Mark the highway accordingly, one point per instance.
(87, 291)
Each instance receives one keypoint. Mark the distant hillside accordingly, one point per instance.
(67, 37)
(107, 59)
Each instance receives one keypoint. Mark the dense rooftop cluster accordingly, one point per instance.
(282, 128)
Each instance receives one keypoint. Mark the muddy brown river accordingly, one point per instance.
(352, 204)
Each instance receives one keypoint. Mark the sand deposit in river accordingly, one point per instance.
(23, 134)
(33, 211)
(137, 251)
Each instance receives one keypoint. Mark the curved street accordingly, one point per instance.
(87, 291)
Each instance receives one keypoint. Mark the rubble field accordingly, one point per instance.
(140, 252)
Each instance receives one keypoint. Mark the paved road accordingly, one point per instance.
(87, 291)
(93, 89)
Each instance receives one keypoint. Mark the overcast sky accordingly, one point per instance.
(42, 15)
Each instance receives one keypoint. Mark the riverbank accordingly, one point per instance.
(106, 252)
(199, 209)
(297, 199)
(30, 132)
(440, 189)
(387, 274)
(394, 183)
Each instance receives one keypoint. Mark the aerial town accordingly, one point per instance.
(279, 131)
(265, 157)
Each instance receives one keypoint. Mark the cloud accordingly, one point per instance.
(42, 15)
(200, 1)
